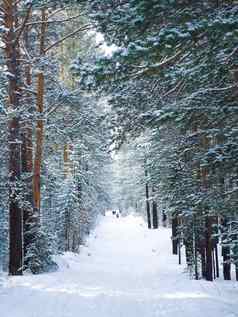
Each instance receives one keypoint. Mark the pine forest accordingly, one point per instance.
(119, 158)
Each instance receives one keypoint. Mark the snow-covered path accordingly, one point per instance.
(125, 271)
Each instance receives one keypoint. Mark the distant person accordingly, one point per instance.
(164, 218)
(114, 212)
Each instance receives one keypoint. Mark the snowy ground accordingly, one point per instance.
(125, 271)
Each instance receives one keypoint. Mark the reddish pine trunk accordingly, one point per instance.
(39, 124)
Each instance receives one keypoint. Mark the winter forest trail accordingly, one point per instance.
(124, 271)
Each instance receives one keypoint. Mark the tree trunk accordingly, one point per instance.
(209, 261)
(15, 211)
(147, 201)
(203, 259)
(195, 239)
(39, 143)
(217, 261)
(27, 157)
(39, 123)
(226, 263)
(174, 235)
(225, 252)
(154, 213)
(179, 252)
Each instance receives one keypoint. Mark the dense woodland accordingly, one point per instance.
(165, 98)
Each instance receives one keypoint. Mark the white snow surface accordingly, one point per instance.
(125, 270)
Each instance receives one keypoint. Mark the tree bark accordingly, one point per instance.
(195, 239)
(209, 260)
(147, 202)
(174, 234)
(27, 156)
(226, 263)
(15, 212)
(203, 259)
(225, 252)
(217, 261)
(236, 266)
(39, 124)
(154, 213)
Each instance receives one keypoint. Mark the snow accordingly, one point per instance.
(125, 270)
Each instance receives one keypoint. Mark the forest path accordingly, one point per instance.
(125, 270)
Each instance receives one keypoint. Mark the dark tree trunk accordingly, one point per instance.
(217, 261)
(155, 213)
(179, 252)
(225, 252)
(67, 230)
(174, 234)
(214, 263)
(203, 259)
(148, 206)
(15, 211)
(195, 239)
(226, 263)
(209, 262)
(147, 202)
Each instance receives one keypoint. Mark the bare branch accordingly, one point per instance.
(84, 28)
(154, 69)
(231, 54)
(54, 21)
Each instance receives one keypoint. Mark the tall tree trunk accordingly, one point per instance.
(217, 261)
(174, 234)
(13, 67)
(225, 252)
(39, 124)
(208, 217)
(236, 268)
(195, 239)
(215, 248)
(147, 201)
(27, 156)
(226, 263)
(203, 259)
(67, 230)
(154, 212)
(209, 260)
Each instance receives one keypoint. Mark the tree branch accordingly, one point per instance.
(84, 28)
(24, 23)
(153, 69)
(54, 21)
